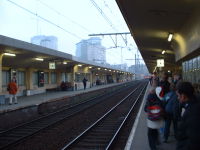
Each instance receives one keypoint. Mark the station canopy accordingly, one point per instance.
(150, 23)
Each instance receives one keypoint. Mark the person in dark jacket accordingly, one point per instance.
(172, 112)
(164, 82)
(155, 80)
(188, 131)
(177, 79)
(84, 82)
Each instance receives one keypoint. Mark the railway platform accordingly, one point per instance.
(26, 101)
(138, 139)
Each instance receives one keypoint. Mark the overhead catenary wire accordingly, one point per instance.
(44, 19)
(106, 5)
(59, 13)
(111, 12)
(103, 14)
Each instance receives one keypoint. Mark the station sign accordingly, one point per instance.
(52, 65)
(160, 63)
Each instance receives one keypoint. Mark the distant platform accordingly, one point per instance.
(25, 101)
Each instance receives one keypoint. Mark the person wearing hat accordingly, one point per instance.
(154, 122)
(189, 128)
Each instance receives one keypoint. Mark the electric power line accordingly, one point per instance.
(103, 14)
(42, 18)
(106, 5)
(59, 13)
(46, 20)
(27, 10)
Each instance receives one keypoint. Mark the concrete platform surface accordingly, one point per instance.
(25, 101)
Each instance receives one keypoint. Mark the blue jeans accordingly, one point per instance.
(168, 121)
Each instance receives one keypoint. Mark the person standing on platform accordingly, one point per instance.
(171, 113)
(154, 110)
(12, 89)
(164, 82)
(177, 79)
(154, 80)
(188, 137)
(84, 83)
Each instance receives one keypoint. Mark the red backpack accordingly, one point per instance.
(155, 110)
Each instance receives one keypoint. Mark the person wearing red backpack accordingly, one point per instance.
(155, 117)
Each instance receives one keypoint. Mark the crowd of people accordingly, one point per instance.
(170, 100)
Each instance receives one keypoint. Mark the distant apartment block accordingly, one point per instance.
(45, 41)
(91, 50)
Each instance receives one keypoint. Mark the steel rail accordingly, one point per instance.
(94, 124)
(38, 128)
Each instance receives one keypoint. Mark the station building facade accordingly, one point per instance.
(38, 69)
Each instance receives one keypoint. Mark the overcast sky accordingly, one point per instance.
(73, 20)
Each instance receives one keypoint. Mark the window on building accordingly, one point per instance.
(78, 77)
(87, 75)
(53, 78)
(69, 77)
(5, 78)
(46, 78)
(63, 76)
(21, 78)
(35, 78)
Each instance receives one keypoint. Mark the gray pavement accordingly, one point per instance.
(25, 101)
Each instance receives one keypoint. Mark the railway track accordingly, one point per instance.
(102, 134)
(13, 136)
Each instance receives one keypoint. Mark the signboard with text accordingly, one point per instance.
(160, 63)
(52, 65)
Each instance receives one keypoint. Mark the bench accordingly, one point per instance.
(53, 89)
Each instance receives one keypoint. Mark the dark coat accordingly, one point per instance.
(189, 128)
(165, 85)
(172, 105)
(84, 81)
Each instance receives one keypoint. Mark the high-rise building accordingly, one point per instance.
(46, 41)
(91, 50)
